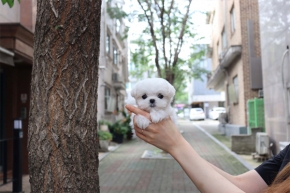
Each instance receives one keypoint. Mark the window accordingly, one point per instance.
(236, 87)
(233, 24)
(108, 44)
(107, 97)
(115, 56)
(224, 38)
(218, 49)
(118, 26)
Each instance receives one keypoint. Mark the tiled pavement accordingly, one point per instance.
(123, 170)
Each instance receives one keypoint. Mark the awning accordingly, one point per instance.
(219, 74)
(18, 40)
(6, 57)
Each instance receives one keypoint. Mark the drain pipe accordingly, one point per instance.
(286, 91)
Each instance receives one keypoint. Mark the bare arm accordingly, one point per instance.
(204, 175)
(250, 182)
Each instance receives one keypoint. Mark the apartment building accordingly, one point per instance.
(16, 59)
(113, 65)
(235, 53)
(200, 96)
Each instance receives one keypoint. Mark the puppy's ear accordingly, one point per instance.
(171, 90)
(134, 92)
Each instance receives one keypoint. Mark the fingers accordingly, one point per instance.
(138, 111)
(140, 132)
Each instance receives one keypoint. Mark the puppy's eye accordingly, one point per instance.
(160, 96)
(144, 96)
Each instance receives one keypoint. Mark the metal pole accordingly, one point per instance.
(17, 157)
(5, 162)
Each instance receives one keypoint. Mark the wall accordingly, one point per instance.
(10, 15)
(249, 11)
(237, 111)
(244, 144)
(275, 37)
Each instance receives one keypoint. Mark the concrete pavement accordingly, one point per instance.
(124, 171)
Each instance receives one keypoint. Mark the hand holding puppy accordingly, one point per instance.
(164, 134)
(154, 95)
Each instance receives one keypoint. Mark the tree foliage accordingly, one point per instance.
(9, 2)
(168, 33)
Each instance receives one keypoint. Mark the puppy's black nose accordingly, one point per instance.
(152, 100)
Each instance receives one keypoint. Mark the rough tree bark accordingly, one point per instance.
(62, 138)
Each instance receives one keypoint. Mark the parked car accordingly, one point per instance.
(215, 112)
(196, 114)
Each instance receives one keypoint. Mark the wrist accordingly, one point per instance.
(178, 147)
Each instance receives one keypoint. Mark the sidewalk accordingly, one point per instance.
(124, 171)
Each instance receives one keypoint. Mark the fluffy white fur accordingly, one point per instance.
(154, 95)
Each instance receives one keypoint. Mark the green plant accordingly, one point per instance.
(9, 2)
(126, 122)
(127, 119)
(104, 135)
(118, 128)
(104, 122)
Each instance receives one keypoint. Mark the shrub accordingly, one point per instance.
(103, 135)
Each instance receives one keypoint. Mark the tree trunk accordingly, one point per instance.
(62, 138)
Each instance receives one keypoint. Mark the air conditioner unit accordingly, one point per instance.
(262, 143)
(117, 77)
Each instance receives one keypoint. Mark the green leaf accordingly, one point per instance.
(116, 13)
(4, 1)
(10, 3)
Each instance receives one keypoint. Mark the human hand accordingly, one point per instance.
(164, 134)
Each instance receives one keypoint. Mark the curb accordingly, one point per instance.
(248, 166)
(111, 149)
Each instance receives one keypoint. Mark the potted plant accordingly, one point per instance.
(104, 139)
(126, 122)
(104, 125)
(118, 130)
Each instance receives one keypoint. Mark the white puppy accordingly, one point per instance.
(154, 95)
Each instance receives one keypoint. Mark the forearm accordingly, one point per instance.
(206, 178)
(231, 178)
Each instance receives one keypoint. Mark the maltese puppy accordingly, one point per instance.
(154, 95)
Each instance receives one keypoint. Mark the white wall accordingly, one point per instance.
(10, 15)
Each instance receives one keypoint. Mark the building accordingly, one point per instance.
(113, 66)
(275, 42)
(200, 96)
(235, 52)
(16, 59)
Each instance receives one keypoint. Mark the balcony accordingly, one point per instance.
(118, 81)
(226, 59)
(230, 55)
(6, 57)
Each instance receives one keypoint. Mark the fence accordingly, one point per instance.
(16, 143)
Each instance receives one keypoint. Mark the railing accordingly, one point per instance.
(3, 150)
(16, 143)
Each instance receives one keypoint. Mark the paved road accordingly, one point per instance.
(124, 171)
